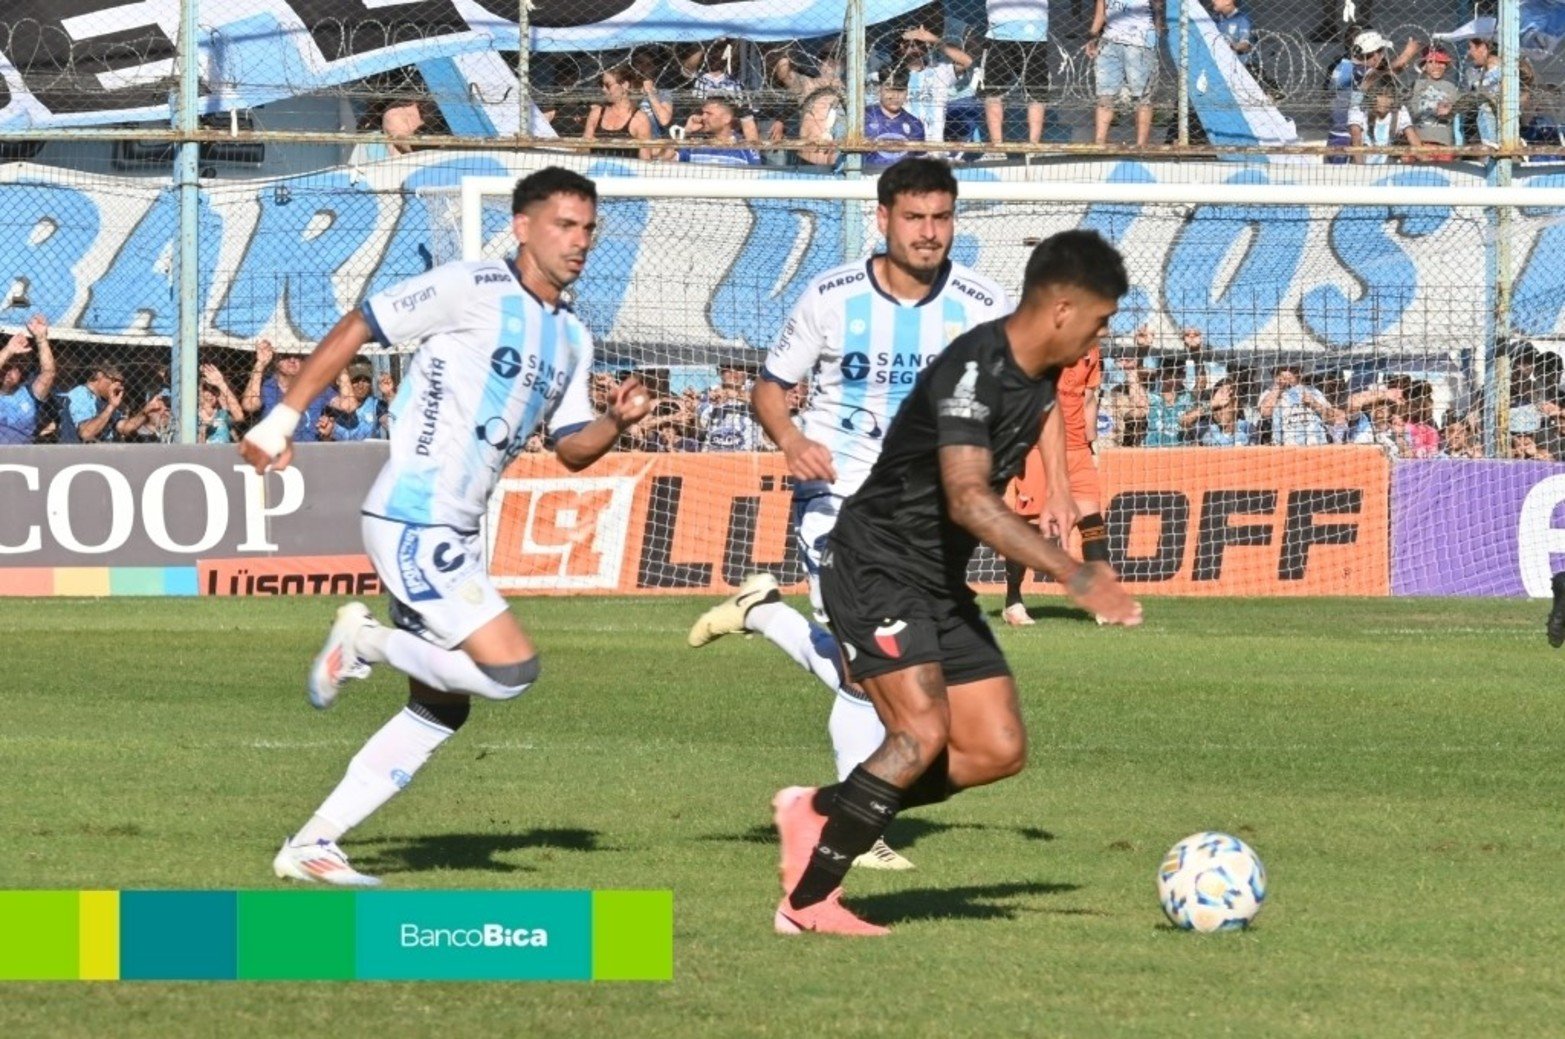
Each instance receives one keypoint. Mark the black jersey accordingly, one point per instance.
(973, 394)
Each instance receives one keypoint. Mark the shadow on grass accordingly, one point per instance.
(904, 833)
(467, 850)
(1050, 613)
(977, 902)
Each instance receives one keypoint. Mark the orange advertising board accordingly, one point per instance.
(1249, 520)
(638, 523)
(1185, 521)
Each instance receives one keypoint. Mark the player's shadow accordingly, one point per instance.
(975, 902)
(1049, 613)
(904, 833)
(478, 851)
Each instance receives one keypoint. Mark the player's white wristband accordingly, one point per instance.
(273, 432)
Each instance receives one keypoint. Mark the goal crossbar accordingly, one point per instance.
(476, 189)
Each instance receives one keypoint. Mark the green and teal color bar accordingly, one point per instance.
(330, 935)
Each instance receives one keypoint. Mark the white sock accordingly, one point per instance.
(384, 765)
(855, 732)
(448, 670)
(810, 646)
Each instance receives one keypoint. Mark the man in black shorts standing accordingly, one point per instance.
(1016, 54)
(895, 576)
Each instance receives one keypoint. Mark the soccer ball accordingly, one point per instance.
(1211, 882)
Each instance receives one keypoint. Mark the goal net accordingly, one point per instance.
(1308, 381)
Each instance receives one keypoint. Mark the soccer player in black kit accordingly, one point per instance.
(895, 576)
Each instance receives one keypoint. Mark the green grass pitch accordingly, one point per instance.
(1397, 764)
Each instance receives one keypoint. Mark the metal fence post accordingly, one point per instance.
(856, 75)
(1184, 72)
(524, 90)
(1497, 438)
(186, 341)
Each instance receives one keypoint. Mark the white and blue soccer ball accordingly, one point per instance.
(1211, 882)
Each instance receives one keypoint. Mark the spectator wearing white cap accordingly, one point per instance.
(1369, 54)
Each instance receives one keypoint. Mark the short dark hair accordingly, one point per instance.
(548, 182)
(915, 176)
(1078, 258)
(897, 77)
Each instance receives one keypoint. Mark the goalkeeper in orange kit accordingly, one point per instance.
(1078, 403)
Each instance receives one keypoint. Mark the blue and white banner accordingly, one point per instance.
(87, 62)
(1541, 27)
(1231, 106)
(283, 259)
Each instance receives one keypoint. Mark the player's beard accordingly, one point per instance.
(913, 263)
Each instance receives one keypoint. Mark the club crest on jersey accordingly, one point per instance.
(888, 638)
(963, 402)
(954, 329)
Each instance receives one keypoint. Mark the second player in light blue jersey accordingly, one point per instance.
(498, 354)
(861, 333)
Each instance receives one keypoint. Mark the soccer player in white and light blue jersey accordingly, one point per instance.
(862, 332)
(499, 354)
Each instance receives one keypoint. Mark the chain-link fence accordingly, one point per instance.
(327, 132)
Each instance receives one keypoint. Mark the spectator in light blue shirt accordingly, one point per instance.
(720, 136)
(219, 410)
(262, 395)
(1167, 405)
(93, 408)
(1219, 424)
(1237, 29)
(1483, 79)
(363, 422)
(19, 403)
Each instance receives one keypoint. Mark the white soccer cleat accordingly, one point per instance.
(1016, 616)
(882, 856)
(727, 617)
(322, 862)
(337, 661)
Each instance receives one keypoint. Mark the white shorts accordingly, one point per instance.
(813, 519)
(436, 577)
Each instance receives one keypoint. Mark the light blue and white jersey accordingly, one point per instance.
(929, 91)
(865, 349)
(493, 362)
(1026, 21)
(1383, 130)
(1129, 22)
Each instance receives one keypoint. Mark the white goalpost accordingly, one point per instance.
(475, 190)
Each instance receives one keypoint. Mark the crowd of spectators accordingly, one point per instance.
(106, 406)
(1183, 398)
(1417, 101)
(1152, 397)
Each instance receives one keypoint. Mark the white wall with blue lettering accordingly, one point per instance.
(284, 257)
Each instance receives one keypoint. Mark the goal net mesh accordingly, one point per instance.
(1354, 342)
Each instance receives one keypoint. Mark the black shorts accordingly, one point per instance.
(1009, 62)
(886, 625)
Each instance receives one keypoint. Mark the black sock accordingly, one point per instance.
(1014, 572)
(825, 798)
(865, 805)
(933, 786)
(1094, 538)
